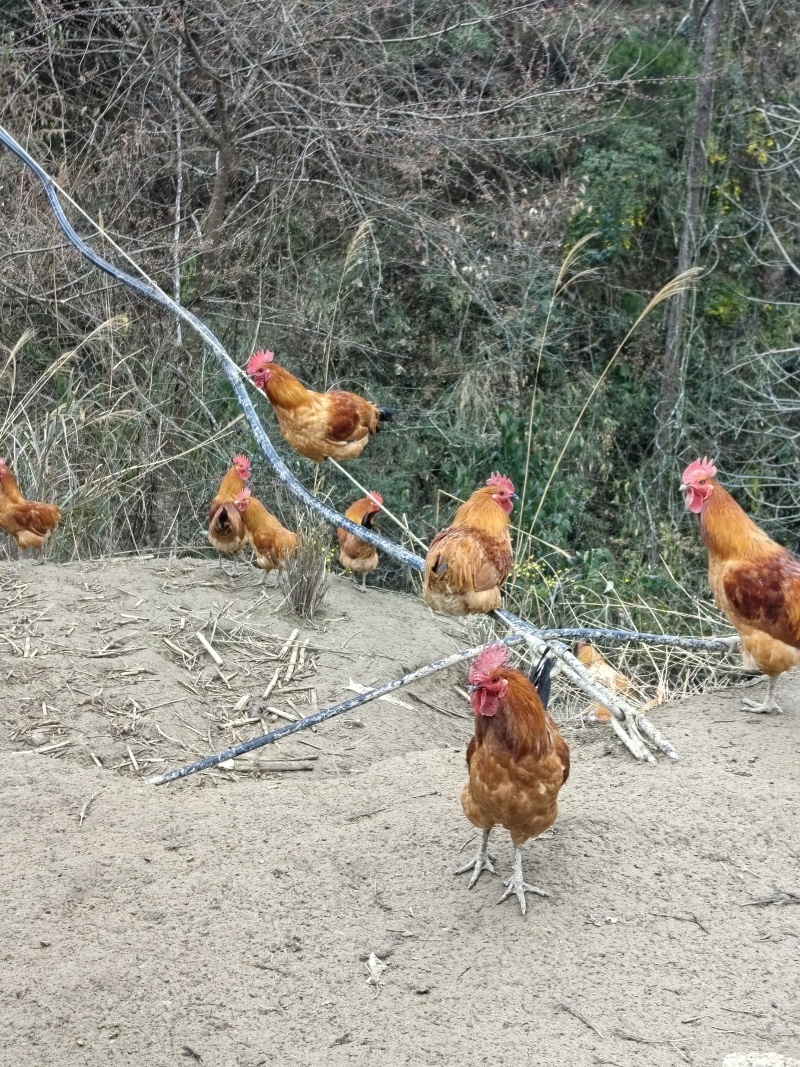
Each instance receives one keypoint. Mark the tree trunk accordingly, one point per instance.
(673, 365)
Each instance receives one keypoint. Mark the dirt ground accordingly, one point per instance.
(229, 919)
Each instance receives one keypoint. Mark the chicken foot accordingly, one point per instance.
(481, 862)
(516, 884)
(230, 573)
(769, 704)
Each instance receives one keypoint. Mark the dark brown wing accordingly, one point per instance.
(348, 417)
(765, 593)
(562, 751)
(471, 749)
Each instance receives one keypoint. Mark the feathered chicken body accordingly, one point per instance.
(317, 425)
(356, 555)
(271, 541)
(755, 581)
(517, 760)
(226, 530)
(467, 563)
(29, 522)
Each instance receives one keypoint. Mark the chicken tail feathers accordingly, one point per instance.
(385, 414)
(540, 677)
(225, 521)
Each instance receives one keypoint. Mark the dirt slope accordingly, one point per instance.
(227, 920)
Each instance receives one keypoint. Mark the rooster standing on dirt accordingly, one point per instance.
(317, 425)
(517, 761)
(755, 581)
(356, 555)
(468, 562)
(225, 527)
(29, 522)
(272, 542)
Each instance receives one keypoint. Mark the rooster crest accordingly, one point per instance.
(491, 659)
(258, 361)
(701, 468)
(376, 497)
(501, 482)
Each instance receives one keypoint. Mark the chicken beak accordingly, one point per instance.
(684, 488)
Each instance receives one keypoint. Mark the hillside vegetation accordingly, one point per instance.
(384, 195)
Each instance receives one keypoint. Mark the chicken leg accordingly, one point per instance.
(769, 704)
(482, 861)
(516, 884)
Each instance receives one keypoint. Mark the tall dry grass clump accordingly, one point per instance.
(306, 578)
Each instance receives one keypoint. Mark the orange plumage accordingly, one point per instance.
(225, 526)
(226, 530)
(317, 425)
(29, 522)
(599, 668)
(272, 542)
(517, 760)
(356, 555)
(467, 563)
(232, 484)
(755, 581)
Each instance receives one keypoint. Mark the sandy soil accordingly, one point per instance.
(227, 920)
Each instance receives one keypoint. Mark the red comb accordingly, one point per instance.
(243, 496)
(698, 469)
(501, 482)
(258, 361)
(241, 461)
(376, 497)
(491, 659)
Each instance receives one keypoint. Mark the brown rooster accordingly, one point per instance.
(317, 425)
(29, 522)
(517, 761)
(356, 555)
(225, 526)
(467, 563)
(755, 581)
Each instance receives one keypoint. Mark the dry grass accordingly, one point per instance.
(91, 433)
(551, 598)
(306, 578)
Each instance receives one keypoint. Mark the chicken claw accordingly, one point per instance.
(482, 862)
(762, 709)
(769, 704)
(516, 884)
